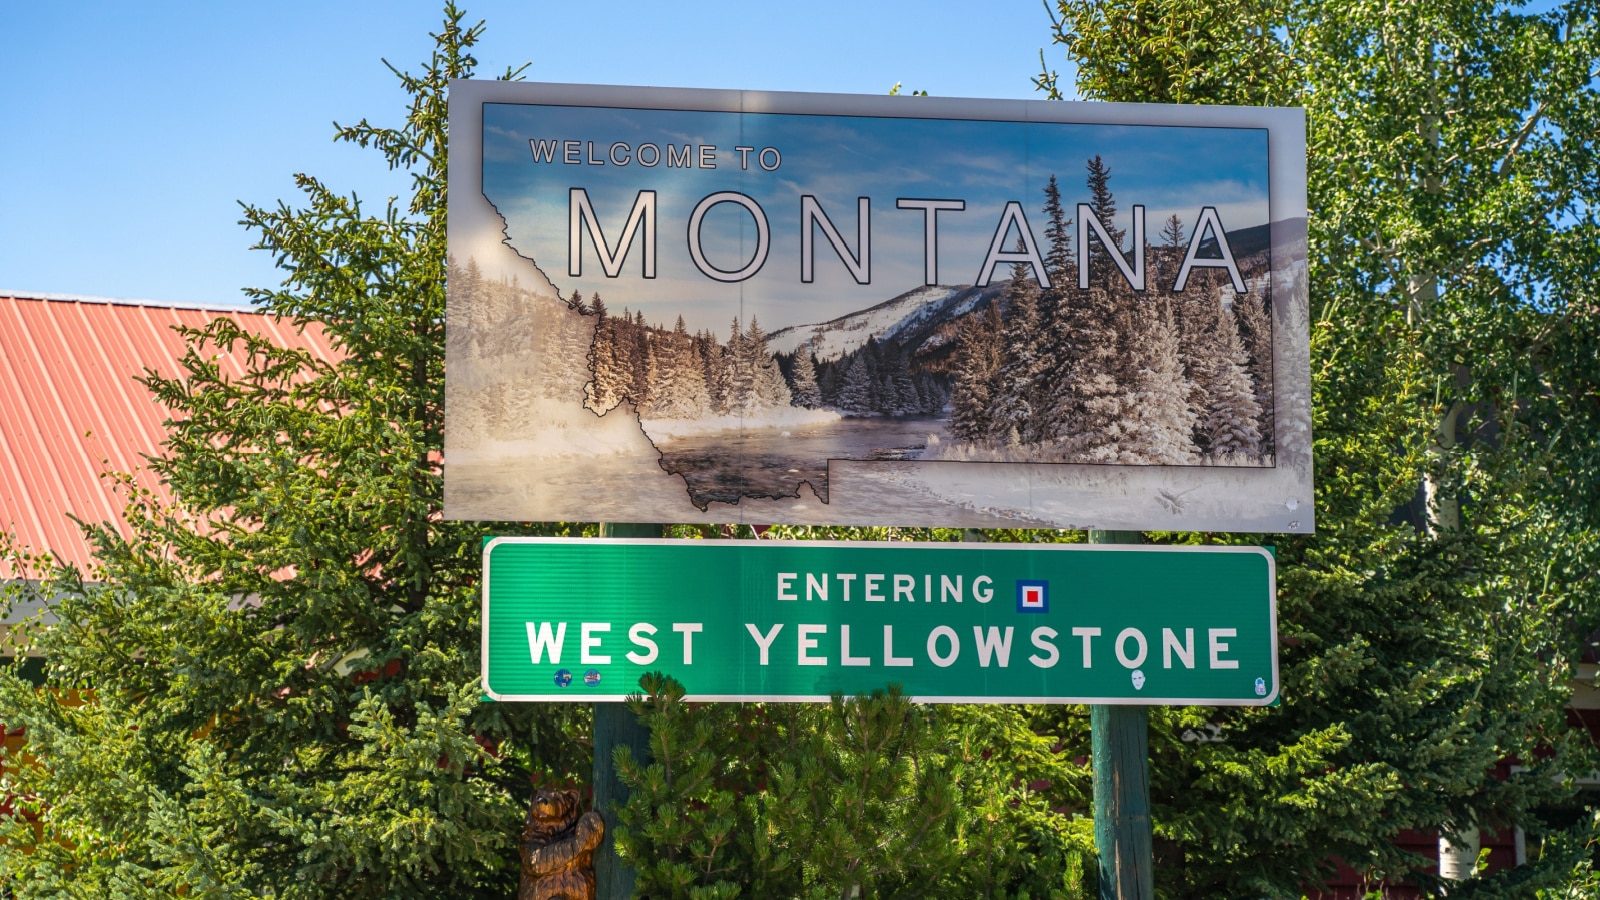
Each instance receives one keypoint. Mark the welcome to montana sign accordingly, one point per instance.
(677, 305)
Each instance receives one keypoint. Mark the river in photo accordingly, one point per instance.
(724, 466)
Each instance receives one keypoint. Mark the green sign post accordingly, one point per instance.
(581, 620)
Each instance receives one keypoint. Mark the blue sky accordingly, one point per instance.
(838, 159)
(133, 129)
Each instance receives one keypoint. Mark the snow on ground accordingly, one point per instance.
(789, 417)
(554, 430)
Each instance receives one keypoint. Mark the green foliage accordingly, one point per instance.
(281, 668)
(270, 688)
(871, 794)
(1433, 622)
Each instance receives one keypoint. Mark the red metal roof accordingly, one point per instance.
(71, 410)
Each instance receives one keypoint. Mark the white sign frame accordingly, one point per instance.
(632, 485)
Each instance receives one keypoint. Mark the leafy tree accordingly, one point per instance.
(279, 670)
(1432, 623)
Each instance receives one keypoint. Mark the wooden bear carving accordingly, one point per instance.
(558, 847)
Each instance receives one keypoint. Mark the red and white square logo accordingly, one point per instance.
(1033, 596)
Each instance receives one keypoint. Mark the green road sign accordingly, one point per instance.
(581, 619)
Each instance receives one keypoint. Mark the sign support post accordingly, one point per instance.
(1120, 736)
(616, 726)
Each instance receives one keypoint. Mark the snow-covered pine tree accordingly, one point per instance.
(715, 373)
(1255, 330)
(677, 379)
(977, 363)
(566, 368)
(738, 377)
(1231, 412)
(1104, 206)
(869, 355)
(855, 389)
(642, 353)
(468, 316)
(1058, 259)
(1060, 266)
(1091, 379)
(900, 395)
(1195, 311)
(830, 376)
(931, 394)
(771, 390)
(1017, 397)
(806, 392)
(611, 379)
(695, 366)
(654, 372)
(1158, 428)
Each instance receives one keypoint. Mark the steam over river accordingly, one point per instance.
(725, 466)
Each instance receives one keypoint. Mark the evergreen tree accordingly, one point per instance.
(806, 392)
(1198, 314)
(977, 361)
(677, 383)
(1059, 258)
(570, 336)
(771, 391)
(830, 376)
(716, 374)
(1467, 620)
(901, 396)
(1090, 385)
(286, 700)
(739, 376)
(638, 348)
(855, 389)
(1160, 426)
(609, 363)
(1014, 394)
(1104, 207)
(1231, 412)
(1255, 330)
(1172, 232)
(467, 282)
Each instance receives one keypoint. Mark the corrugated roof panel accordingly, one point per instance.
(71, 410)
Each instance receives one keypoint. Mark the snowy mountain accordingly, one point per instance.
(909, 319)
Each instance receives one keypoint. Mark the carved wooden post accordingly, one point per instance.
(1121, 739)
(616, 726)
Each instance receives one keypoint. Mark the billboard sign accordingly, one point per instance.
(732, 306)
(580, 620)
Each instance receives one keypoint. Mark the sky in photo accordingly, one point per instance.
(134, 129)
(1168, 170)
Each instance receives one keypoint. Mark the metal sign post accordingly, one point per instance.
(616, 726)
(1121, 760)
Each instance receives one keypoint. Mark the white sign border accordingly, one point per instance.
(1143, 494)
